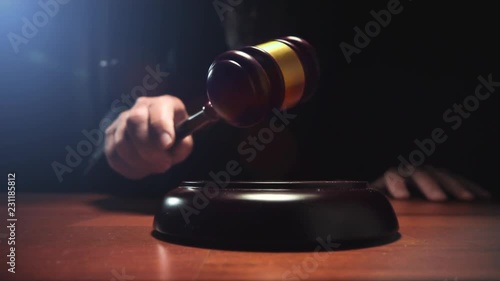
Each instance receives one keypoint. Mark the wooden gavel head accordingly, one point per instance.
(245, 85)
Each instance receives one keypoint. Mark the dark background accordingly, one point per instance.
(363, 116)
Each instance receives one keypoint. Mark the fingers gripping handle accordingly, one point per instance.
(195, 122)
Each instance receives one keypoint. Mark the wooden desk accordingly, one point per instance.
(80, 237)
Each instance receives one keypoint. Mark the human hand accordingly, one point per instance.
(436, 185)
(140, 142)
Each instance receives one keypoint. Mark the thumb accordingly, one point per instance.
(162, 113)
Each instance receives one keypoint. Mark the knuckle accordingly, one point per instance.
(137, 117)
(109, 130)
(120, 119)
(141, 100)
(172, 100)
(122, 115)
(169, 98)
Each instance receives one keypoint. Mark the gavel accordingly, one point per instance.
(245, 85)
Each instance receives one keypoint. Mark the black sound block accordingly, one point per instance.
(274, 214)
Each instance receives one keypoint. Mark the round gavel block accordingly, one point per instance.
(244, 85)
(268, 214)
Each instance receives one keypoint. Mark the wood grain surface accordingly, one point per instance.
(98, 237)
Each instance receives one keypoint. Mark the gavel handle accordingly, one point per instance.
(195, 122)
